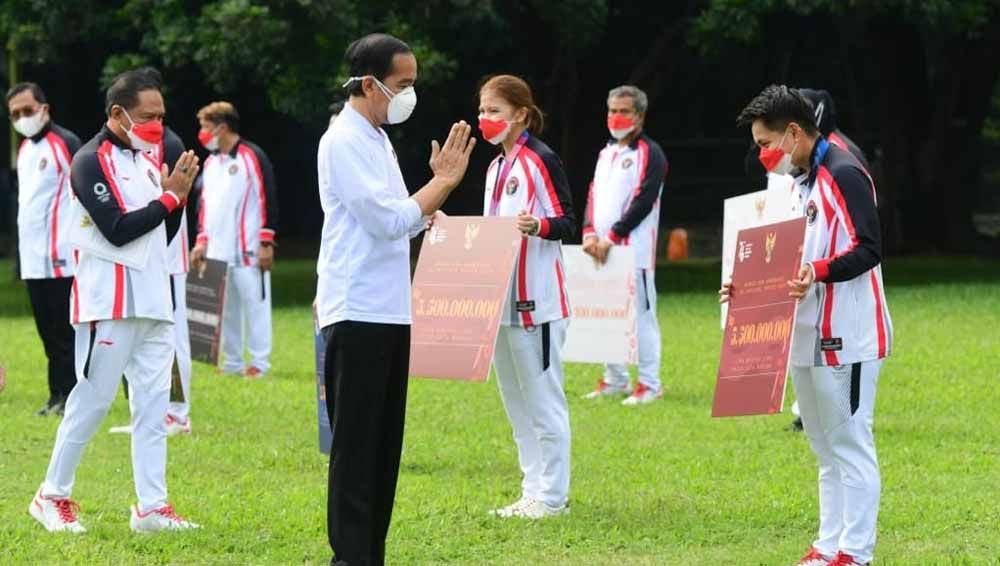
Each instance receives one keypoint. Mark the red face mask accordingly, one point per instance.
(145, 137)
(494, 131)
(775, 160)
(209, 140)
(620, 125)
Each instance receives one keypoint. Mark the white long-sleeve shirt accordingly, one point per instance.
(368, 219)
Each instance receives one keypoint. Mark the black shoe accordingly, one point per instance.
(45, 408)
(796, 425)
(58, 408)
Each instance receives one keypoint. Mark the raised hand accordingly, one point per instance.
(179, 180)
(449, 162)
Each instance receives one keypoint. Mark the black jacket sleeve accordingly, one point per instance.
(96, 194)
(561, 226)
(69, 138)
(173, 147)
(270, 191)
(649, 191)
(866, 252)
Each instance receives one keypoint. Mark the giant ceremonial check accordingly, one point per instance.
(206, 293)
(760, 322)
(603, 302)
(459, 291)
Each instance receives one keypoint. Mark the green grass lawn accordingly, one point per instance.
(663, 484)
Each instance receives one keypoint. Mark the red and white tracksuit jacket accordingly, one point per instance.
(239, 206)
(43, 171)
(623, 203)
(536, 182)
(844, 318)
(119, 191)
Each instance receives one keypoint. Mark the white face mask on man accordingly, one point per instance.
(28, 126)
(401, 104)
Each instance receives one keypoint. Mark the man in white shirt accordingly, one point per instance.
(45, 258)
(363, 292)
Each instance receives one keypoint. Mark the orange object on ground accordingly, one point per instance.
(677, 246)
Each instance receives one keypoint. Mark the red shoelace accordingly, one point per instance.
(842, 560)
(168, 512)
(67, 509)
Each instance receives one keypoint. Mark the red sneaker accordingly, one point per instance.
(605, 390)
(842, 559)
(813, 558)
(253, 373)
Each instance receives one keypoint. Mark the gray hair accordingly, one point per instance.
(634, 92)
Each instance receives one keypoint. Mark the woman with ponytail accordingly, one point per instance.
(527, 182)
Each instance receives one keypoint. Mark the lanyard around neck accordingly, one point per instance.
(508, 163)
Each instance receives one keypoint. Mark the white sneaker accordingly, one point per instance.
(56, 515)
(512, 509)
(643, 396)
(605, 390)
(162, 519)
(541, 510)
(176, 426)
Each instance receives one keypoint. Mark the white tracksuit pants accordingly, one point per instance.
(648, 329)
(838, 408)
(248, 306)
(143, 350)
(182, 347)
(536, 405)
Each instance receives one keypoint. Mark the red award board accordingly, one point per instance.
(758, 336)
(459, 291)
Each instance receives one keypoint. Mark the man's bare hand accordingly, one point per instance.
(726, 292)
(265, 257)
(449, 162)
(601, 250)
(179, 180)
(198, 258)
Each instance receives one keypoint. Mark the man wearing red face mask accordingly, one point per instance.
(623, 209)
(842, 331)
(237, 217)
(127, 211)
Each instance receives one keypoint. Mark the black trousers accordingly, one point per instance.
(366, 376)
(50, 304)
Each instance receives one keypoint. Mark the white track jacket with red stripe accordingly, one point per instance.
(239, 207)
(43, 200)
(120, 193)
(844, 318)
(535, 182)
(623, 203)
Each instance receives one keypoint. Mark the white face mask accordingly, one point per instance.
(28, 126)
(401, 104)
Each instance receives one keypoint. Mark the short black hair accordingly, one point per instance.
(36, 91)
(777, 106)
(125, 88)
(372, 55)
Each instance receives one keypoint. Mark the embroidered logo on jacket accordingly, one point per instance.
(627, 162)
(511, 187)
(811, 211)
(42, 163)
(233, 169)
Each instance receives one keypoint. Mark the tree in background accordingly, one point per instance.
(922, 73)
